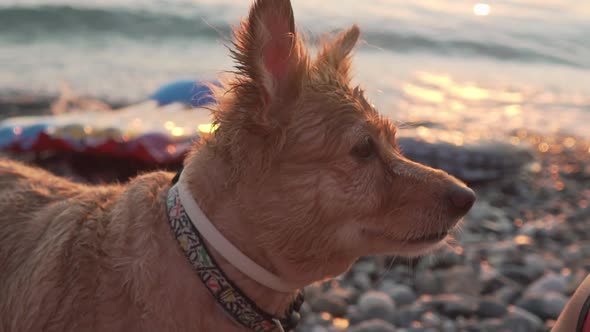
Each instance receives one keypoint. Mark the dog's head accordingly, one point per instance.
(314, 167)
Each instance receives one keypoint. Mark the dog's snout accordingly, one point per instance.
(461, 199)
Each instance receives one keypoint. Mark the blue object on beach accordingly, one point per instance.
(188, 92)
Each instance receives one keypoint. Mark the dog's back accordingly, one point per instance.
(91, 258)
(43, 221)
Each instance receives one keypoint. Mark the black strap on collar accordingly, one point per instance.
(177, 176)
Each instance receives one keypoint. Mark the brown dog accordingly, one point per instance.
(302, 175)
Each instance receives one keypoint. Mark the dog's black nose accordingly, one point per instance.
(462, 199)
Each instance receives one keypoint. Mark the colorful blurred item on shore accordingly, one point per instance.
(161, 130)
(157, 131)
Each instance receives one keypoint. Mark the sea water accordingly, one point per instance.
(483, 68)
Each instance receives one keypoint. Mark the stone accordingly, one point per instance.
(449, 326)
(522, 274)
(546, 305)
(460, 280)
(404, 317)
(431, 320)
(373, 325)
(318, 329)
(550, 282)
(535, 264)
(373, 304)
(572, 254)
(329, 303)
(367, 266)
(520, 320)
(491, 308)
(490, 325)
(483, 211)
(491, 280)
(451, 305)
(501, 253)
(348, 295)
(508, 295)
(427, 282)
(362, 281)
(443, 259)
(401, 294)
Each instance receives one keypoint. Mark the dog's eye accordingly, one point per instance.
(365, 149)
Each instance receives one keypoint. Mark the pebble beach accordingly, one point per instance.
(516, 72)
(517, 258)
(512, 264)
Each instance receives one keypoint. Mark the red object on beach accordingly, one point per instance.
(135, 132)
(584, 320)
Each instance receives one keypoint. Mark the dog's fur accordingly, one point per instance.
(302, 175)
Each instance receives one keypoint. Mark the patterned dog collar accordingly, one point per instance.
(231, 299)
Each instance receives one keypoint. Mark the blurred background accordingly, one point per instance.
(499, 64)
(496, 93)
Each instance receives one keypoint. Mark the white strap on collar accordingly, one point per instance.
(226, 248)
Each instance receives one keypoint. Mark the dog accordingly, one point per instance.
(300, 179)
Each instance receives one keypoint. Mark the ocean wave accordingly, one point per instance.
(26, 24)
(43, 22)
(405, 43)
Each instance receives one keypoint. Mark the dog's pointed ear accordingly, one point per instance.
(336, 53)
(268, 50)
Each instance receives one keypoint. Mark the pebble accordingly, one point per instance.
(502, 253)
(460, 280)
(449, 326)
(404, 317)
(572, 255)
(521, 274)
(373, 325)
(444, 259)
(451, 305)
(508, 295)
(491, 281)
(550, 282)
(362, 281)
(536, 265)
(430, 319)
(374, 304)
(367, 266)
(401, 294)
(545, 305)
(348, 295)
(329, 303)
(490, 325)
(427, 282)
(490, 308)
(318, 329)
(520, 320)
